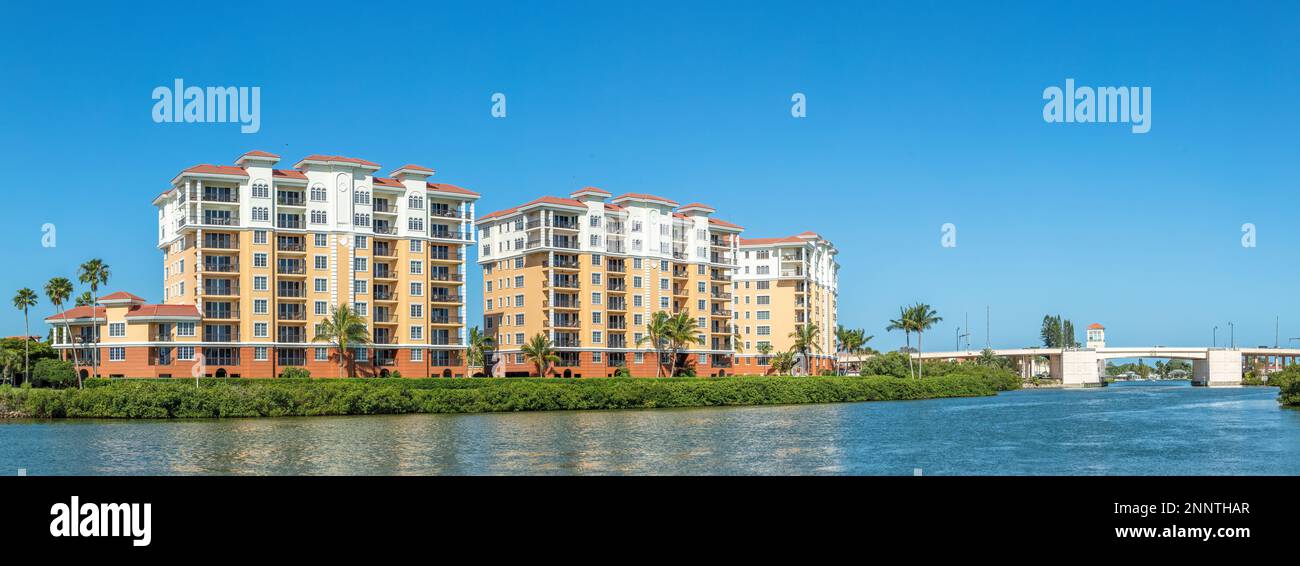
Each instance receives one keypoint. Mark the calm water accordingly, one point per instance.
(1165, 428)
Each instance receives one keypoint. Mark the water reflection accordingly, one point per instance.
(1124, 429)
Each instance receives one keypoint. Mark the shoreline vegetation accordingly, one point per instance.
(231, 398)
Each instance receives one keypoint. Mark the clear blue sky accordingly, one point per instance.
(917, 116)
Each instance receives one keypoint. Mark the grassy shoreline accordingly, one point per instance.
(164, 399)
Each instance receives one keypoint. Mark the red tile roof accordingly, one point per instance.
(542, 200)
(1095, 326)
(697, 205)
(445, 188)
(318, 157)
(413, 168)
(769, 241)
(609, 206)
(120, 295)
(163, 310)
(386, 182)
(288, 174)
(207, 169)
(725, 224)
(643, 196)
(256, 153)
(593, 190)
(75, 313)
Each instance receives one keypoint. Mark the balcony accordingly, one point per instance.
(720, 312)
(385, 296)
(791, 273)
(563, 302)
(217, 220)
(444, 319)
(449, 235)
(226, 313)
(566, 283)
(680, 272)
(289, 222)
(567, 342)
(220, 290)
(720, 296)
(219, 242)
(680, 291)
(444, 298)
(290, 199)
(220, 266)
(617, 305)
(562, 262)
(291, 268)
(616, 267)
(437, 212)
(290, 292)
(385, 229)
(384, 316)
(384, 250)
(291, 335)
(220, 334)
(290, 245)
(616, 286)
(446, 256)
(226, 196)
(292, 315)
(383, 207)
(446, 277)
(382, 272)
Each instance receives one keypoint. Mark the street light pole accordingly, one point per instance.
(1232, 333)
(1215, 344)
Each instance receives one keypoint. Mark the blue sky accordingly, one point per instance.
(918, 115)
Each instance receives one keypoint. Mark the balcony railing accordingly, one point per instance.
(444, 319)
(449, 235)
(440, 298)
(294, 199)
(385, 296)
(446, 213)
(220, 243)
(290, 246)
(221, 267)
(449, 277)
(221, 314)
(457, 256)
(567, 322)
(382, 229)
(231, 196)
(291, 268)
(292, 315)
(294, 223)
(217, 221)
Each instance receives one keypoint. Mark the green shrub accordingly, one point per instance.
(622, 371)
(397, 374)
(295, 373)
(153, 398)
(53, 373)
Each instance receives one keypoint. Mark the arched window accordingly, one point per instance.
(261, 189)
(318, 193)
(415, 202)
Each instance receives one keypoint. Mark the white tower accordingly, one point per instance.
(1096, 336)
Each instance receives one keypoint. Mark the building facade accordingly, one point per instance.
(782, 284)
(254, 257)
(589, 271)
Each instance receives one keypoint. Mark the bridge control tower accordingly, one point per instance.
(1096, 336)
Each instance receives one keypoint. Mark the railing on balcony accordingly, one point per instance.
(289, 222)
(617, 342)
(618, 286)
(720, 295)
(385, 295)
(292, 315)
(290, 245)
(221, 266)
(616, 267)
(290, 199)
(449, 235)
(291, 268)
(220, 313)
(720, 312)
(444, 319)
(382, 273)
(566, 303)
(567, 321)
(385, 229)
(218, 242)
(220, 290)
(446, 213)
(444, 255)
(567, 342)
(444, 298)
(449, 277)
(219, 196)
(383, 206)
(216, 220)
(566, 282)
(291, 335)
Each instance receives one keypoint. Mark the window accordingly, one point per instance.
(595, 317)
(321, 240)
(417, 355)
(261, 213)
(519, 319)
(261, 190)
(765, 331)
(360, 286)
(417, 289)
(322, 262)
(185, 353)
(116, 354)
(595, 221)
(259, 283)
(519, 281)
(259, 330)
(415, 202)
(259, 306)
(359, 264)
(185, 329)
(595, 298)
(595, 279)
(116, 329)
(259, 353)
(763, 315)
(318, 217)
(361, 219)
(596, 337)
(415, 223)
(417, 332)
(321, 307)
(322, 354)
(519, 300)
(259, 260)
(763, 300)
(259, 237)
(417, 246)
(362, 309)
(320, 285)
(318, 193)
(361, 197)
(417, 267)
(360, 242)
(417, 310)
(361, 354)
(663, 303)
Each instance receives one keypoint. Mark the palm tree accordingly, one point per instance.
(902, 323)
(783, 362)
(922, 318)
(479, 344)
(24, 300)
(9, 360)
(764, 349)
(94, 273)
(58, 290)
(341, 328)
(85, 299)
(656, 334)
(805, 340)
(681, 331)
(540, 351)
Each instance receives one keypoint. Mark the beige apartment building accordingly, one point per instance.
(254, 257)
(782, 284)
(588, 271)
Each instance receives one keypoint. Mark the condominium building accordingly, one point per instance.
(781, 285)
(589, 271)
(255, 257)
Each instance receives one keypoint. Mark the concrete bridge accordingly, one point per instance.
(1082, 367)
